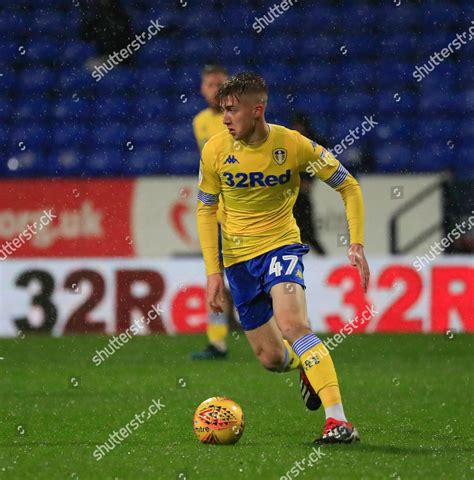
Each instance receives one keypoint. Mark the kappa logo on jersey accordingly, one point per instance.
(231, 159)
(253, 179)
(279, 155)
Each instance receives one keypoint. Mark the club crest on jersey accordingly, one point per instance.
(231, 159)
(279, 155)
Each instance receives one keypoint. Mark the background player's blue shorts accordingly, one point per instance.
(250, 282)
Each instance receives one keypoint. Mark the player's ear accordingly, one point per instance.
(258, 110)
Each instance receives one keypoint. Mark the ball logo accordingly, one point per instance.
(218, 421)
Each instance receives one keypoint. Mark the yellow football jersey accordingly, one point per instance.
(206, 124)
(258, 185)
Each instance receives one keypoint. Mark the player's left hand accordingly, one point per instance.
(215, 293)
(357, 258)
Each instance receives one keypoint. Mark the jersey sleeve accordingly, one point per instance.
(315, 160)
(209, 181)
(206, 214)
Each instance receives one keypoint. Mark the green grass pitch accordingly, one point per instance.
(411, 397)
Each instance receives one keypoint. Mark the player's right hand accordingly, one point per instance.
(215, 293)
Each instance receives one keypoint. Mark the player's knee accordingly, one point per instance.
(271, 359)
(292, 331)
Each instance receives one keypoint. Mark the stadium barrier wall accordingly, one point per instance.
(143, 296)
(154, 217)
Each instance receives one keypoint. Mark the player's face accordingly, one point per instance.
(209, 87)
(240, 115)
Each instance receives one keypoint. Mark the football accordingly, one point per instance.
(218, 421)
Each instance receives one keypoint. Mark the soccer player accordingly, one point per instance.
(205, 124)
(254, 168)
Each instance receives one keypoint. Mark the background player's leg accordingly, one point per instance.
(273, 352)
(289, 307)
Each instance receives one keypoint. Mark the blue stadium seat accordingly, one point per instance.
(145, 161)
(29, 136)
(37, 81)
(433, 157)
(437, 102)
(12, 25)
(70, 134)
(6, 108)
(390, 19)
(312, 102)
(314, 76)
(75, 80)
(77, 52)
(151, 107)
(65, 163)
(150, 133)
(184, 162)
(42, 50)
(121, 80)
(280, 75)
(52, 22)
(112, 134)
(238, 47)
(200, 50)
(393, 158)
(438, 129)
(154, 53)
(153, 80)
(401, 101)
(271, 49)
(72, 108)
(464, 161)
(117, 108)
(103, 162)
(355, 103)
(33, 109)
(28, 163)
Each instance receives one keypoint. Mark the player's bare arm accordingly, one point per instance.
(357, 258)
(215, 292)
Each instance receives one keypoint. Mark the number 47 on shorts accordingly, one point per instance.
(276, 266)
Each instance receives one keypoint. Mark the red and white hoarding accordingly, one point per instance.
(107, 296)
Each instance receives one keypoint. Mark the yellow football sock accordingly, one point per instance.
(217, 332)
(292, 360)
(319, 368)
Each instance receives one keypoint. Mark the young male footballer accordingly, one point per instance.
(207, 123)
(253, 167)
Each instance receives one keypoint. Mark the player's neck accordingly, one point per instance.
(259, 134)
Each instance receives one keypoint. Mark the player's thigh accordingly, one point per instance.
(267, 343)
(289, 309)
